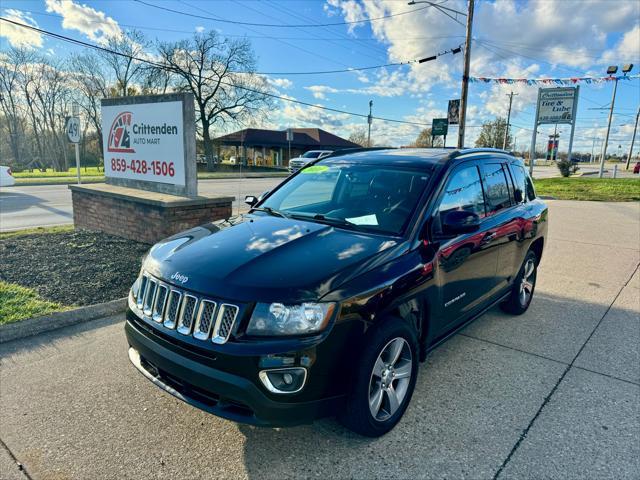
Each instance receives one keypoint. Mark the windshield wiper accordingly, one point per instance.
(341, 222)
(270, 211)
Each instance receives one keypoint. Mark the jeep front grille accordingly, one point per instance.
(187, 313)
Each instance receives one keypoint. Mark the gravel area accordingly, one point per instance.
(72, 268)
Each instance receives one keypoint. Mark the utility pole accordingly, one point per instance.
(465, 76)
(606, 137)
(369, 120)
(506, 131)
(633, 139)
(592, 148)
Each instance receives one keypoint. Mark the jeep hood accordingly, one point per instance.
(265, 258)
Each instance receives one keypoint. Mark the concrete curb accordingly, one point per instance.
(35, 326)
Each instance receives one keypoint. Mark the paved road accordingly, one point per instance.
(554, 393)
(38, 206)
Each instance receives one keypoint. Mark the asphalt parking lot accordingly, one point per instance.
(551, 394)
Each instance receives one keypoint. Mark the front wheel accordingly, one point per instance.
(385, 380)
(523, 287)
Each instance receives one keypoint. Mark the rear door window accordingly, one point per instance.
(523, 182)
(496, 189)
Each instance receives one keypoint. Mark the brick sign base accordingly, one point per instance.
(141, 215)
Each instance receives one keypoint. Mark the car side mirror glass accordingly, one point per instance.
(457, 222)
(518, 196)
(251, 200)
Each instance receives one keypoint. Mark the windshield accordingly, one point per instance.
(377, 198)
(311, 154)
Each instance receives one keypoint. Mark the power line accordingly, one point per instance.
(342, 38)
(164, 67)
(276, 25)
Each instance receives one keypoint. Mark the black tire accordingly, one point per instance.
(518, 303)
(357, 415)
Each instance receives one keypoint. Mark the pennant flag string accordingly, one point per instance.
(551, 81)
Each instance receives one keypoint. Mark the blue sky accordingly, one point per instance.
(532, 39)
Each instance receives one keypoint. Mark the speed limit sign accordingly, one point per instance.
(73, 129)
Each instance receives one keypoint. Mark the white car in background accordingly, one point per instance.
(6, 179)
(297, 163)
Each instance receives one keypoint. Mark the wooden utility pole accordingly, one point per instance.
(465, 76)
(506, 131)
(633, 139)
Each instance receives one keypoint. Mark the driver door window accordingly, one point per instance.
(462, 192)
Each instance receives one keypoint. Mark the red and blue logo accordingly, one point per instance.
(119, 137)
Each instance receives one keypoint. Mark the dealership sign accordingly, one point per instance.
(144, 142)
(556, 105)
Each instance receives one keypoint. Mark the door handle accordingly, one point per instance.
(488, 237)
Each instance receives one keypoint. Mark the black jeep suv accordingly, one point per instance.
(325, 297)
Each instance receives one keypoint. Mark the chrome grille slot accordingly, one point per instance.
(189, 314)
(185, 320)
(204, 319)
(158, 306)
(173, 307)
(141, 291)
(149, 296)
(224, 323)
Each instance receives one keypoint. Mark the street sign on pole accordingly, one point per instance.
(73, 134)
(73, 129)
(439, 126)
(554, 105)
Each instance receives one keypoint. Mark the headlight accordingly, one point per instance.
(280, 319)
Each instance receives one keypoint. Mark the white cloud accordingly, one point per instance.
(19, 36)
(281, 82)
(320, 91)
(200, 29)
(90, 22)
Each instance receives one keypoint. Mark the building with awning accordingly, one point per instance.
(271, 148)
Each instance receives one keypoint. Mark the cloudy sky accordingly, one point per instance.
(530, 39)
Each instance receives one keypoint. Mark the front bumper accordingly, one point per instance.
(223, 394)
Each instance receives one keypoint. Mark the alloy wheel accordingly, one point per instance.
(390, 379)
(528, 281)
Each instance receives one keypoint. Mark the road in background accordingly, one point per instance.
(48, 205)
(553, 393)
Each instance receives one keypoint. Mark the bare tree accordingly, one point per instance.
(425, 140)
(11, 80)
(359, 136)
(127, 71)
(92, 84)
(220, 74)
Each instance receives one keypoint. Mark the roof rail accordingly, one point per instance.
(347, 151)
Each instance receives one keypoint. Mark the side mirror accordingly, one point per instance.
(518, 196)
(250, 200)
(457, 222)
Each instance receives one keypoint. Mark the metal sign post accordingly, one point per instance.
(573, 123)
(289, 139)
(73, 133)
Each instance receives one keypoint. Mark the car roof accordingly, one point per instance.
(410, 157)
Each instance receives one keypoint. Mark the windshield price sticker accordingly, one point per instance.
(316, 169)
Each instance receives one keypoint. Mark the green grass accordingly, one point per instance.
(597, 189)
(57, 180)
(19, 303)
(36, 231)
(89, 171)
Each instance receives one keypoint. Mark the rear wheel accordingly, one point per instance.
(523, 287)
(385, 380)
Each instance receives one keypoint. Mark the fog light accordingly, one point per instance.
(284, 380)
